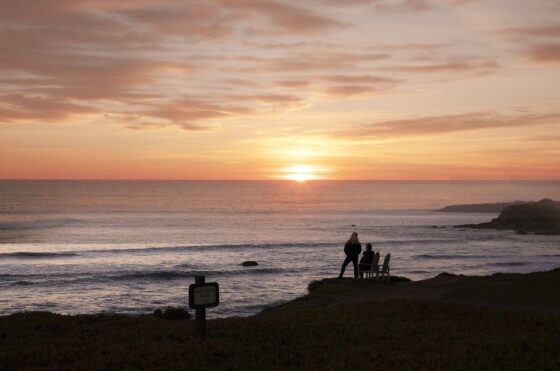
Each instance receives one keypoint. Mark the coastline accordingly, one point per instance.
(535, 291)
(448, 321)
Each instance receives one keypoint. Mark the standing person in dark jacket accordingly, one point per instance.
(352, 249)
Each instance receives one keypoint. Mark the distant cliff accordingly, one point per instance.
(479, 208)
(542, 217)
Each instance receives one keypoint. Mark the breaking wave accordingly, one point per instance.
(34, 224)
(36, 255)
(126, 276)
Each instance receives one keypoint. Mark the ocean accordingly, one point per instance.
(135, 246)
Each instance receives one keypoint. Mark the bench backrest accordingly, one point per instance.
(375, 258)
(386, 263)
(375, 262)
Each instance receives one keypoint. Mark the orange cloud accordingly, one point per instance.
(343, 85)
(538, 46)
(286, 16)
(187, 111)
(546, 138)
(310, 62)
(404, 6)
(454, 66)
(298, 84)
(535, 31)
(270, 68)
(14, 108)
(270, 98)
(347, 90)
(544, 53)
(88, 54)
(446, 124)
(367, 79)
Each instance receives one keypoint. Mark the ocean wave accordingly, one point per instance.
(36, 255)
(414, 242)
(152, 275)
(454, 256)
(229, 247)
(209, 247)
(125, 276)
(34, 224)
(150, 250)
(234, 247)
(22, 283)
(510, 264)
(174, 274)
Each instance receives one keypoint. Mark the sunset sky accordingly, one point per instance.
(272, 89)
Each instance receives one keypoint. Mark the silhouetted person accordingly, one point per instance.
(366, 260)
(352, 249)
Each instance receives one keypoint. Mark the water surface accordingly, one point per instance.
(133, 246)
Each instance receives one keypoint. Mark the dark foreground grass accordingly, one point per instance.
(327, 329)
(389, 335)
(537, 290)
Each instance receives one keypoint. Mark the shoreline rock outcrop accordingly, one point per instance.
(490, 208)
(542, 217)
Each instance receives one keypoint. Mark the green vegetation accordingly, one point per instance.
(337, 326)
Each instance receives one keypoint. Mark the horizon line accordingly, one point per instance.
(276, 180)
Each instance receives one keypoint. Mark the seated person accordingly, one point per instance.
(366, 260)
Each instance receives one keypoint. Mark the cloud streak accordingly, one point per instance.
(193, 64)
(117, 59)
(284, 15)
(404, 6)
(544, 53)
(343, 85)
(433, 125)
(238, 71)
(540, 43)
(547, 31)
(475, 66)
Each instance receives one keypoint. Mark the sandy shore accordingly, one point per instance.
(503, 321)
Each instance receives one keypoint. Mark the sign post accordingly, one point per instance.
(202, 295)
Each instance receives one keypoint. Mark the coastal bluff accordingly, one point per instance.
(491, 208)
(542, 217)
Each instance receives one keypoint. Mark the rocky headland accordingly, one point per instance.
(542, 217)
(496, 207)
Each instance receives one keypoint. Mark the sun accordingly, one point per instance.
(299, 177)
(300, 173)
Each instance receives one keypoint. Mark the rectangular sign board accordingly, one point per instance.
(204, 295)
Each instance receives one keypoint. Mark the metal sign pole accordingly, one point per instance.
(200, 313)
(202, 295)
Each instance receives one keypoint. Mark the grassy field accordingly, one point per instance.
(465, 326)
